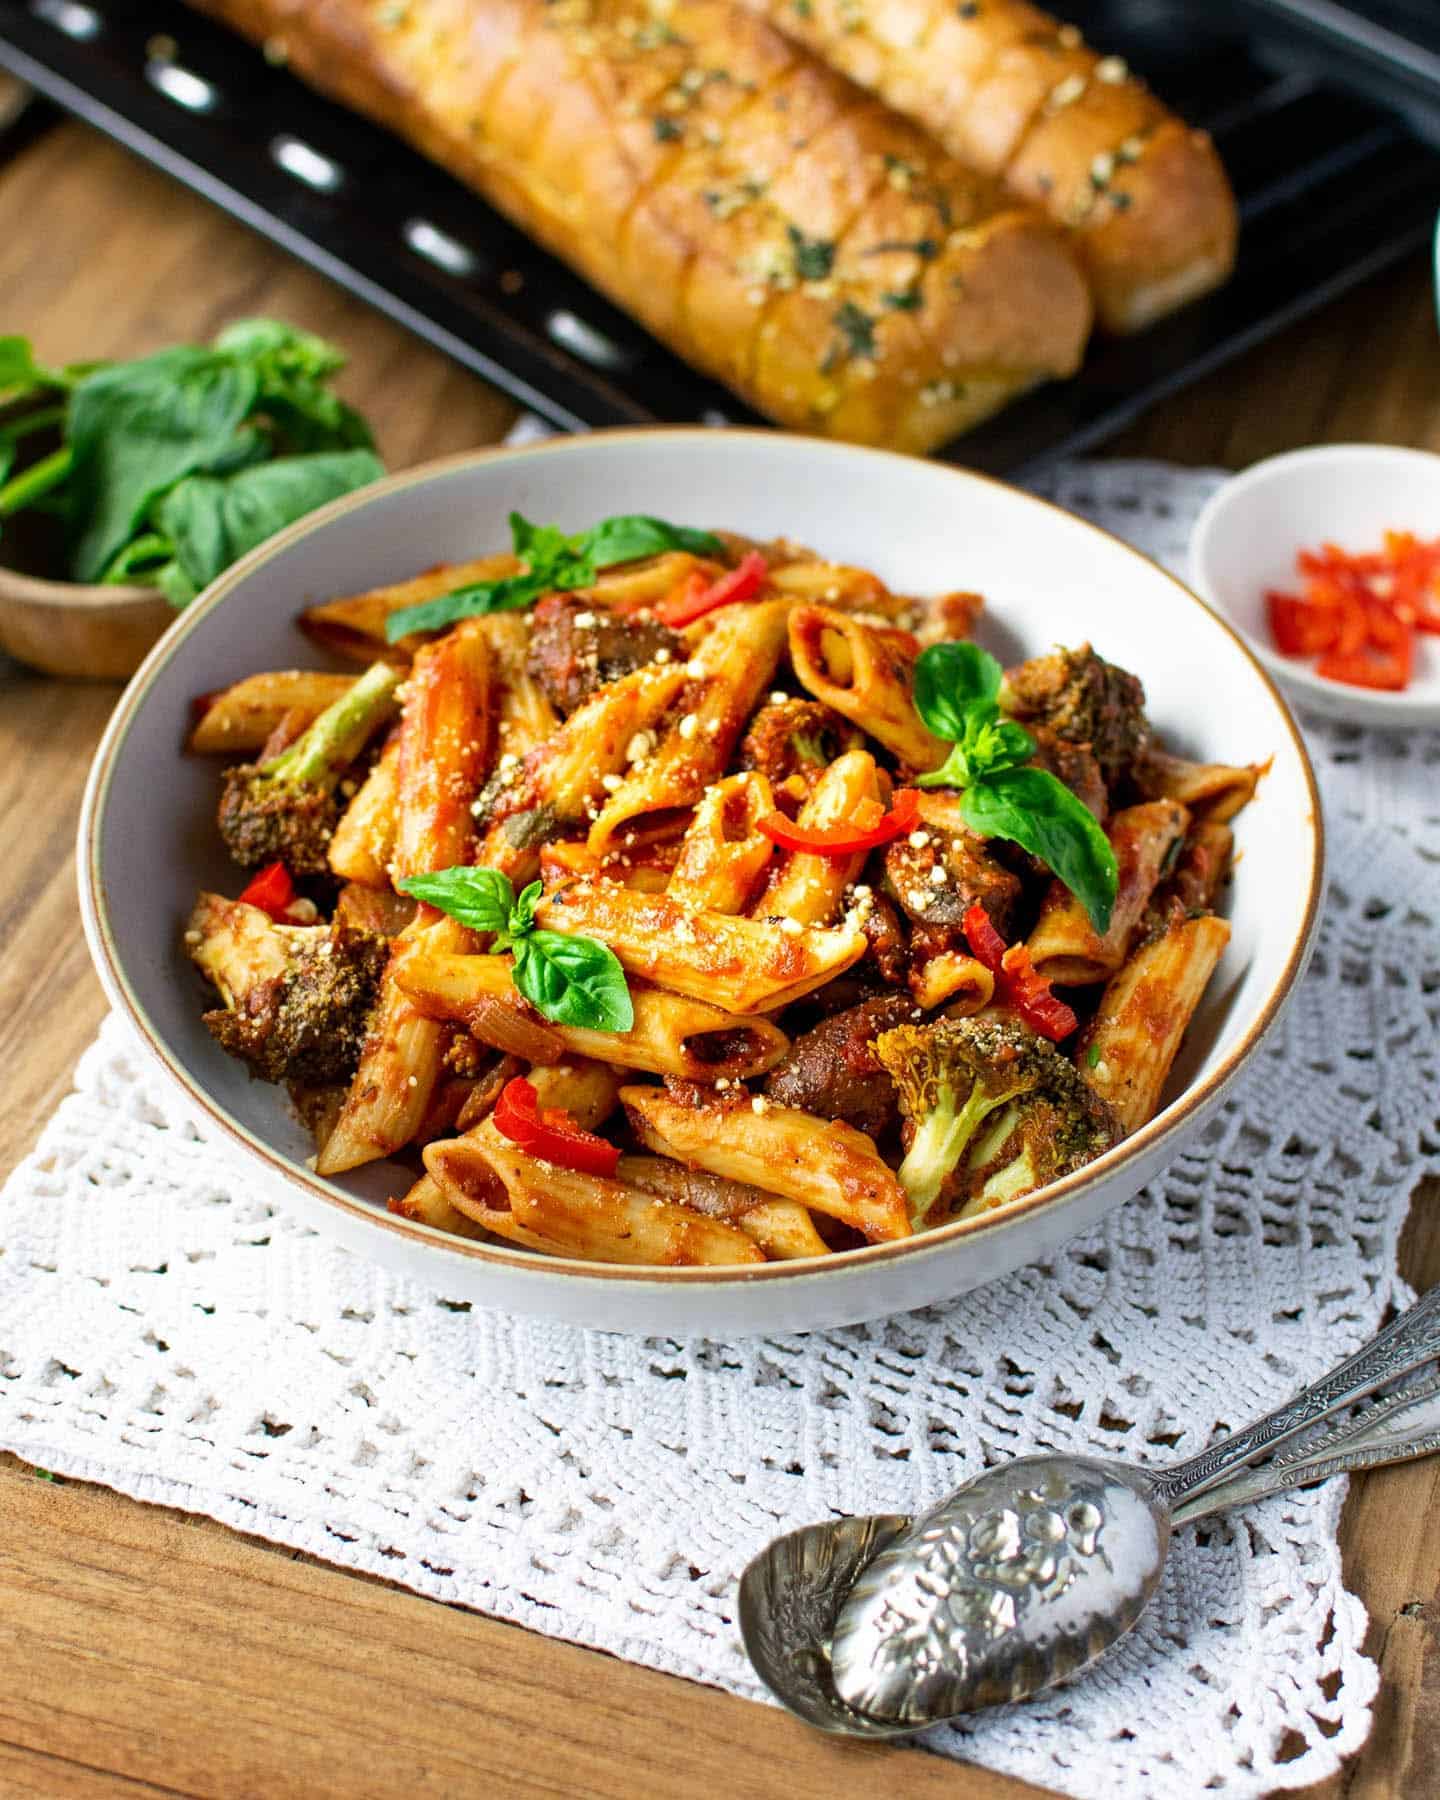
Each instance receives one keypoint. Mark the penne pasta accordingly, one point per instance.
(592, 1217)
(444, 749)
(1064, 946)
(524, 717)
(426, 1204)
(241, 718)
(810, 887)
(400, 1063)
(950, 978)
(587, 1091)
(563, 779)
(740, 965)
(1127, 1051)
(723, 853)
(867, 674)
(827, 1166)
(363, 846)
(1194, 883)
(782, 1228)
(725, 678)
(1213, 791)
(671, 1035)
(354, 626)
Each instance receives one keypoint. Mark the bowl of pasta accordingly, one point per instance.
(692, 881)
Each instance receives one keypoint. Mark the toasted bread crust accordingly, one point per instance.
(1005, 88)
(782, 230)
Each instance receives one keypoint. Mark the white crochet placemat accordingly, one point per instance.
(166, 1332)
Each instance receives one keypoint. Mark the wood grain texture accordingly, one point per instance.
(150, 1653)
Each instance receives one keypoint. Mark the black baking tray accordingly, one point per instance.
(1334, 154)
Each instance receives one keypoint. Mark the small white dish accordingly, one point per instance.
(148, 842)
(1246, 540)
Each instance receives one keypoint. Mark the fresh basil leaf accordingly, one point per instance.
(508, 594)
(177, 587)
(292, 368)
(522, 914)
(574, 981)
(139, 560)
(1032, 809)
(213, 522)
(137, 428)
(632, 536)
(951, 680)
(19, 371)
(987, 744)
(259, 340)
(554, 563)
(480, 898)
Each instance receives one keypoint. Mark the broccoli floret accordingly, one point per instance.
(996, 1111)
(287, 808)
(1082, 699)
(297, 998)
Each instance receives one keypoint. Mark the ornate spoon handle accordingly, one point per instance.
(1407, 1342)
(1395, 1429)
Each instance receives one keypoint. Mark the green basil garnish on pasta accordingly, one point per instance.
(567, 978)
(957, 689)
(553, 563)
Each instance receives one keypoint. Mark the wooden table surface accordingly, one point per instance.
(146, 1652)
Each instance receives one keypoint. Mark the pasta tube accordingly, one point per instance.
(525, 717)
(1064, 946)
(564, 779)
(740, 965)
(445, 736)
(400, 1064)
(1213, 791)
(951, 976)
(829, 1167)
(364, 842)
(1129, 1046)
(244, 715)
(672, 1035)
(724, 854)
(587, 1091)
(867, 674)
(783, 1229)
(726, 676)
(592, 1217)
(809, 887)
(354, 625)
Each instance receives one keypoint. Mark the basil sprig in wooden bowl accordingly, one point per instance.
(125, 488)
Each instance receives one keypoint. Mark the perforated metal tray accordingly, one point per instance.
(1334, 183)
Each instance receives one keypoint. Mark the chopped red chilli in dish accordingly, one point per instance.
(272, 891)
(1016, 983)
(552, 1134)
(1358, 614)
(846, 839)
(700, 597)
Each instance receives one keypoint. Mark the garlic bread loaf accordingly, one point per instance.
(778, 227)
(1009, 90)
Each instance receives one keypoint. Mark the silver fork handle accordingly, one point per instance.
(1406, 1342)
(1396, 1429)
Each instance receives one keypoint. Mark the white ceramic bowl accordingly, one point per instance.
(1246, 539)
(147, 840)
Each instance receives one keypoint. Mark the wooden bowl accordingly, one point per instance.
(83, 633)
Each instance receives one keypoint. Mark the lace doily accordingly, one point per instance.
(168, 1333)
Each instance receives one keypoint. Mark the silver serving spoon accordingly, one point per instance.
(878, 1626)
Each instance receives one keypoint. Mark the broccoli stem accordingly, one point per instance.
(940, 1140)
(338, 735)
